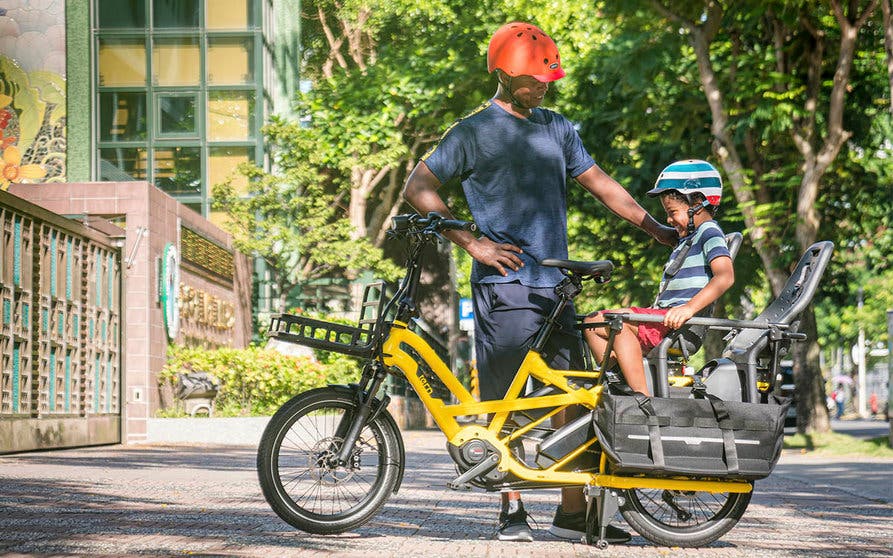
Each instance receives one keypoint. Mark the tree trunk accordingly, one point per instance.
(812, 412)
(888, 45)
(727, 152)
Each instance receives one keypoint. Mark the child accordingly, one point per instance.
(698, 272)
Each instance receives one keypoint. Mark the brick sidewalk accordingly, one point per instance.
(193, 500)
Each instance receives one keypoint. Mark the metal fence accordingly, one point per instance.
(60, 329)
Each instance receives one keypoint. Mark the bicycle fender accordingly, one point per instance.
(386, 415)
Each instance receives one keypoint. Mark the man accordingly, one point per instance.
(513, 159)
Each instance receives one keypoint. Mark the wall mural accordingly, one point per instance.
(32, 91)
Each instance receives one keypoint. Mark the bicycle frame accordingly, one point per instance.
(445, 415)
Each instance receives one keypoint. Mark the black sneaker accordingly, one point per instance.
(572, 526)
(514, 526)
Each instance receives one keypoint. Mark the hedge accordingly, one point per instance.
(256, 381)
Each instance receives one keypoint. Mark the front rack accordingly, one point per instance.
(354, 340)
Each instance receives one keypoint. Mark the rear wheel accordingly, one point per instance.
(298, 472)
(682, 518)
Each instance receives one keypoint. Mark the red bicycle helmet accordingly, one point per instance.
(520, 48)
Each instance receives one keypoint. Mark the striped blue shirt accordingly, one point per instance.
(708, 243)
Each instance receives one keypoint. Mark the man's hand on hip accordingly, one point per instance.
(495, 255)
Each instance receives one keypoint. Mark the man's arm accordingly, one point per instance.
(723, 278)
(420, 192)
(617, 199)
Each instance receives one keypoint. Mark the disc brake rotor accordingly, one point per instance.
(323, 465)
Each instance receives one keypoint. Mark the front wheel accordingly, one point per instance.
(683, 518)
(300, 477)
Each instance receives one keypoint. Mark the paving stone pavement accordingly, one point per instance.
(177, 500)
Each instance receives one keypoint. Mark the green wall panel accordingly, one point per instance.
(77, 76)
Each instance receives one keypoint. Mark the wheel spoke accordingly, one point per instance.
(682, 518)
(305, 467)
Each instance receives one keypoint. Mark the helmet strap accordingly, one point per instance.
(692, 211)
(508, 89)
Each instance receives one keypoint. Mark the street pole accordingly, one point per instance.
(890, 373)
(863, 400)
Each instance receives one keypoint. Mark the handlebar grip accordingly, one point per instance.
(456, 225)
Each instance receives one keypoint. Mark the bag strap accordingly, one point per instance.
(724, 420)
(653, 422)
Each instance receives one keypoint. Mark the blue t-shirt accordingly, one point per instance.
(514, 174)
(707, 244)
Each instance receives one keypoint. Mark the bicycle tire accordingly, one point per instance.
(712, 515)
(306, 492)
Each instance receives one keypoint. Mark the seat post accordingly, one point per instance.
(571, 286)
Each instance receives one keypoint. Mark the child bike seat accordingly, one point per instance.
(684, 341)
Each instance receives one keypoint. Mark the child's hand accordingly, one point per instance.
(677, 316)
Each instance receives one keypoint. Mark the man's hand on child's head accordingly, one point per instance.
(677, 316)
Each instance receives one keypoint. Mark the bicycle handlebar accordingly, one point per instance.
(413, 223)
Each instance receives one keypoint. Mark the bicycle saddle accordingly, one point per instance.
(600, 268)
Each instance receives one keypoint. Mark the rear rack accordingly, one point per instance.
(358, 340)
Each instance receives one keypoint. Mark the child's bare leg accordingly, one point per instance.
(596, 338)
(628, 351)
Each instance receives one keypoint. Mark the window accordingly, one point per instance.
(229, 14)
(177, 114)
(122, 116)
(176, 13)
(230, 115)
(230, 61)
(175, 61)
(123, 164)
(222, 164)
(179, 92)
(129, 14)
(122, 62)
(178, 170)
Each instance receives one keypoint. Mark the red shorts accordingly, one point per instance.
(649, 334)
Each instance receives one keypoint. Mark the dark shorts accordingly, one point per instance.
(507, 317)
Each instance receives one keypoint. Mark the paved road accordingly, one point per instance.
(173, 500)
(862, 428)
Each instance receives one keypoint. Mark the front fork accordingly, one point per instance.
(367, 409)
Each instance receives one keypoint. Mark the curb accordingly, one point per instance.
(229, 431)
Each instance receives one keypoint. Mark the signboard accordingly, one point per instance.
(466, 314)
(170, 290)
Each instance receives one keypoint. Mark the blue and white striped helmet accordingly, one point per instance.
(688, 177)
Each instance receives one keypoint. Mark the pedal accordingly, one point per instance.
(459, 487)
(482, 468)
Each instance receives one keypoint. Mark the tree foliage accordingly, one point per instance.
(289, 220)
(791, 99)
(786, 97)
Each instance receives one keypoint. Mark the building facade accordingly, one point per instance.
(171, 92)
(128, 112)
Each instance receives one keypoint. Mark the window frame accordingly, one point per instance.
(156, 139)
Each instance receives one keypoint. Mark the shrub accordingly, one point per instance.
(257, 381)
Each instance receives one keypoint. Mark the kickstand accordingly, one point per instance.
(601, 505)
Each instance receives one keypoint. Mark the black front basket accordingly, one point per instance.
(354, 340)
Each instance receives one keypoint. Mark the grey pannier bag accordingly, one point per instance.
(703, 437)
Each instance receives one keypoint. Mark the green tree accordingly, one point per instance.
(777, 90)
(290, 221)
